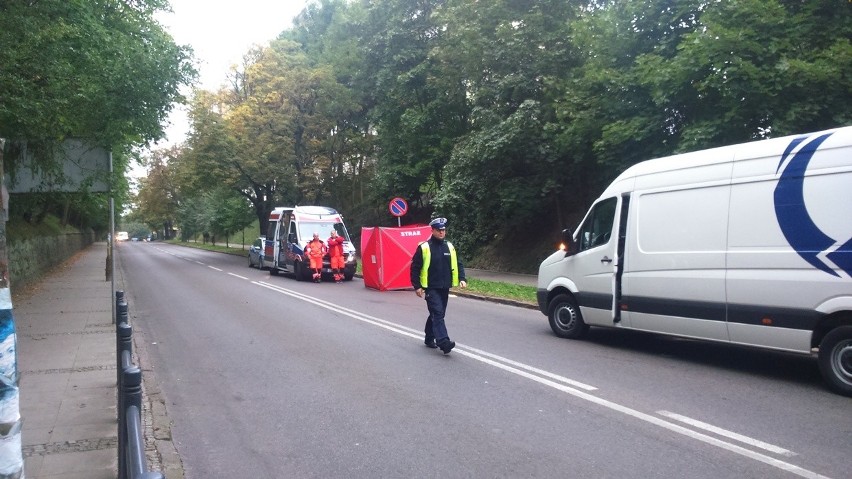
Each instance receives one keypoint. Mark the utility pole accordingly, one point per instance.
(11, 454)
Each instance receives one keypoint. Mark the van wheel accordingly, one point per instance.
(835, 359)
(297, 271)
(565, 319)
(273, 270)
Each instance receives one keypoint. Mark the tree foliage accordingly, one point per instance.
(159, 195)
(98, 69)
(508, 111)
(102, 70)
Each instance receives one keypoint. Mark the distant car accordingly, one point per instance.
(255, 253)
(134, 239)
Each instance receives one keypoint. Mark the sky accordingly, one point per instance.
(221, 32)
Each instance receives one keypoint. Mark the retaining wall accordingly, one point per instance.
(30, 259)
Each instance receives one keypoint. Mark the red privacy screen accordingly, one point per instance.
(386, 255)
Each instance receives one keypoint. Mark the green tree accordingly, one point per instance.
(509, 55)
(418, 108)
(190, 218)
(693, 74)
(754, 69)
(223, 150)
(159, 196)
(96, 69)
(277, 135)
(100, 70)
(329, 33)
(225, 212)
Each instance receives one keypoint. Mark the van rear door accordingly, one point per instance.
(270, 245)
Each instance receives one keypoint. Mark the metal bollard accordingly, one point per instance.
(119, 297)
(124, 342)
(131, 392)
(122, 314)
(126, 362)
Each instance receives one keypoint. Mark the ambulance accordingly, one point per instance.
(290, 229)
(748, 244)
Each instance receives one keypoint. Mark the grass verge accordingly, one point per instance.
(496, 289)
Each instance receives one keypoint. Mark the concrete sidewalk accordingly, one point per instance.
(66, 359)
(67, 363)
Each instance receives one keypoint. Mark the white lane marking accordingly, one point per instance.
(729, 434)
(540, 372)
(785, 466)
(199, 262)
(418, 334)
(654, 420)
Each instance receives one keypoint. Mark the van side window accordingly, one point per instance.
(597, 228)
(291, 238)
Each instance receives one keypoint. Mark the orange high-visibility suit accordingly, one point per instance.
(315, 250)
(335, 252)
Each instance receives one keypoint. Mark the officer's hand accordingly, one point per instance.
(463, 284)
(419, 292)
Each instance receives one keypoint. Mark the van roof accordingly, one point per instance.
(305, 210)
(316, 210)
(720, 155)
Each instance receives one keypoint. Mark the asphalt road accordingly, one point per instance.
(267, 377)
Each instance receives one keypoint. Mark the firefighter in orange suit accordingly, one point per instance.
(315, 250)
(335, 252)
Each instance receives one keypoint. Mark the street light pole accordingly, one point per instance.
(111, 242)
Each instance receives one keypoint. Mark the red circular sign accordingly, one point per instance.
(398, 207)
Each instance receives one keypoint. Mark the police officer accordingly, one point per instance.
(435, 268)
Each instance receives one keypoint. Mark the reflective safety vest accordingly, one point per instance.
(427, 258)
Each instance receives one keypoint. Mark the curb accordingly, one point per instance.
(491, 299)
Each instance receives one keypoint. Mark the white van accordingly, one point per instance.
(748, 244)
(290, 229)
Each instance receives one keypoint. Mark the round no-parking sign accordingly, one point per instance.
(398, 207)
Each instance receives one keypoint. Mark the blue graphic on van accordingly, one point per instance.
(800, 230)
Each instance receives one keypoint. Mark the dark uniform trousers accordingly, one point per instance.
(436, 301)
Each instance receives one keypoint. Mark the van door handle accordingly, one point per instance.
(606, 260)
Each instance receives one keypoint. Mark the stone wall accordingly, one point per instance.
(30, 259)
